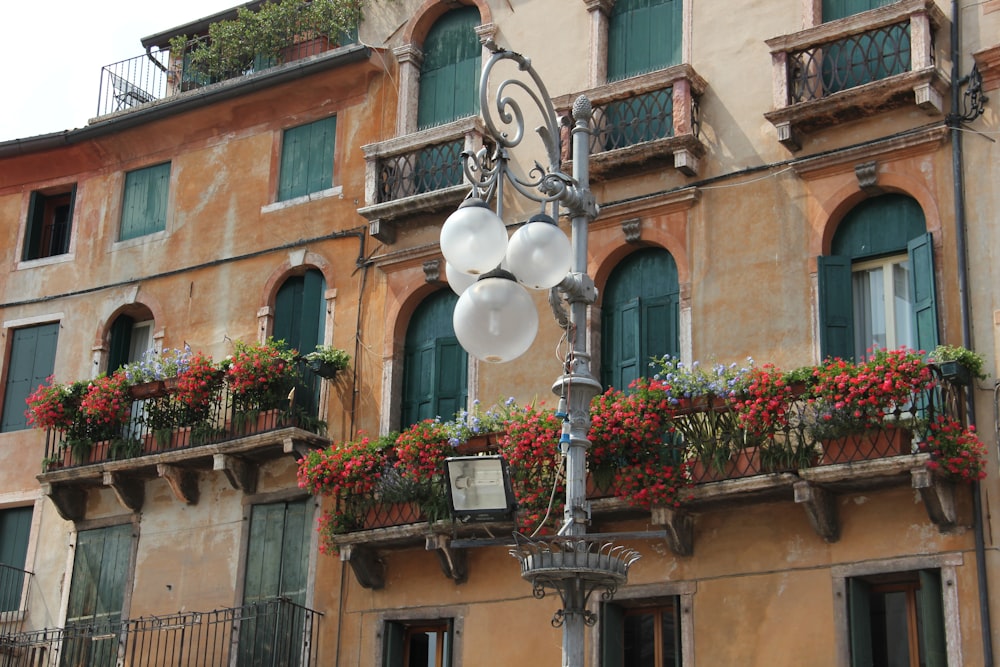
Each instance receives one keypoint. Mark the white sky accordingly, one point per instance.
(52, 54)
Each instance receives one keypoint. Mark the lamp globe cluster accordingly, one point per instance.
(495, 319)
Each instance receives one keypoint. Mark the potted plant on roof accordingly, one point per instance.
(327, 360)
(958, 365)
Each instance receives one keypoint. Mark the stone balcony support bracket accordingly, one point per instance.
(70, 501)
(130, 491)
(242, 474)
(182, 481)
(368, 568)
(938, 496)
(679, 526)
(820, 508)
(453, 562)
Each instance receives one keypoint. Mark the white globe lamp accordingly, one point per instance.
(539, 253)
(473, 238)
(495, 320)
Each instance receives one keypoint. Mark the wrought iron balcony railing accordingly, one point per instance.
(159, 422)
(648, 116)
(854, 66)
(270, 633)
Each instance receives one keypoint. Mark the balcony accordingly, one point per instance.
(652, 117)
(261, 634)
(722, 455)
(165, 439)
(856, 67)
(417, 173)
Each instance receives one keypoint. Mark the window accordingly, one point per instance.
(15, 528)
(644, 635)
(897, 620)
(873, 55)
(417, 643)
(101, 564)
(434, 364)
(277, 566)
(640, 316)
(32, 360)
(144, 207)
(643, 35)
(876, 289)
(449, 74)
(50, 218)
(307, 159)
(299, 320)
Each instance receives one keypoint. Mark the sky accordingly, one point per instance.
(51, 75)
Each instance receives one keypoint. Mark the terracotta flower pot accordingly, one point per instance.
(874, 444)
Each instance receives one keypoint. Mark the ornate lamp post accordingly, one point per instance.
(495, 318)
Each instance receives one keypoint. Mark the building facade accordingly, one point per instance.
(788, 181)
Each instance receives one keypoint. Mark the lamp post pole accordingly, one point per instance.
(491, 328)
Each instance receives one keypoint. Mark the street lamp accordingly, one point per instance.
(495, 319)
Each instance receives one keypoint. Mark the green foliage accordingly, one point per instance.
(973, 361)
(238, 46)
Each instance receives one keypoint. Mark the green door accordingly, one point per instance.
(449, 74)
(32, 360)
(277, 567)
(97, 595)
(299, 320)
(15, 528)
(640, 316)
(434, 364)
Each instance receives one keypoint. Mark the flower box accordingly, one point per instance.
(324, 369)
(874, 444)
(151, 389)
(744, 463)
(955, 372)
(383, 515)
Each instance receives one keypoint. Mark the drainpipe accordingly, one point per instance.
(954, 120)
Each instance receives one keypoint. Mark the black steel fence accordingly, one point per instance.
(423, 170)
(270, 633)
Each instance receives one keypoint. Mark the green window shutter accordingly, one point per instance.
(859, 618)
(121, 343)
(393, 644)
(643, 35)
(299, 310)
(15, 528)
(278, 551)
(641, 314)
(838, 9)
(32, 360)
(921, 254)
(434, 364)
(836, 315)
(612, 621)
(307, 159)
(449, 74)
(450, 375)
(144, 205)
(97, 590)
(930, 615)
(33, 233)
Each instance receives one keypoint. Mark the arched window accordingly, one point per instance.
(640, 320)
(300, 320)
(435, 382)
(449, 75)
(876, 288)
(643, 35)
